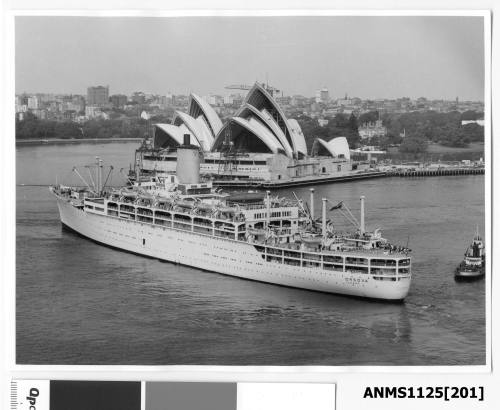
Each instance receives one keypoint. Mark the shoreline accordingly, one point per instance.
(75, 141)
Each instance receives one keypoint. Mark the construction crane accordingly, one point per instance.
(227, 159)
(270, 89)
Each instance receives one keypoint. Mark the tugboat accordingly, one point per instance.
(473, 265)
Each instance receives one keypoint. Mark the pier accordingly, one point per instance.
(297, 182)
(435, 172)
(317, 180)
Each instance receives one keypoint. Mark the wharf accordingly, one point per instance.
(297, 182)
(434, 172)
(316, 180)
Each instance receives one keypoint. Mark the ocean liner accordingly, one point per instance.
(181, 219)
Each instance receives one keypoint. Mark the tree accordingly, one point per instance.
(471, 115)
(370, 116)
(414, 145)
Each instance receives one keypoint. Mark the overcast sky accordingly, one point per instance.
(368, 57)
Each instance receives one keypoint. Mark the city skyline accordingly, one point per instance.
(235, 93)
(365, 57)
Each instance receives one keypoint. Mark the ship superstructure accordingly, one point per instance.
(181, 219)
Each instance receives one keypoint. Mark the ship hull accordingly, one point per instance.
(220, 255)
(469, 275)
(466, 272)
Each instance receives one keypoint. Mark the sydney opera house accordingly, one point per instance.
(259, 142)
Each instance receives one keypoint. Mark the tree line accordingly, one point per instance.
(32, 127)
(419, 128)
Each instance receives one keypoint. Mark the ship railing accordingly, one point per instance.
(199, 222)
(144, 210)
(311, 260)
(383, 264)
(355, 263)
(350, 251)
(263, 205)
(95, 200)
(371, 251)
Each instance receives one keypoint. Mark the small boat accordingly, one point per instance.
(201, 206)
(473, 265)
(186, 204)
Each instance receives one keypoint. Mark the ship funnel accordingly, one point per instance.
(312, 203)
(188, 162)
(362, 219)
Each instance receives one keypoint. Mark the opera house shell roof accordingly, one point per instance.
(337, 148)
(201, 122)
(259, 126)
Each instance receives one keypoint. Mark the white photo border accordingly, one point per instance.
(353, 374)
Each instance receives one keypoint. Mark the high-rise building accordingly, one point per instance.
(98, 96)
(33, 102)
(324, 95)
(139, 97)
(118, 100)
(317, 97)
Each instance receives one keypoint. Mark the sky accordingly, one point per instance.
(366, 57)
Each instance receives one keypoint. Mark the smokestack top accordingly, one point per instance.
(186, 143)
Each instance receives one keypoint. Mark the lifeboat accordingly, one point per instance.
(165, 201)
(204, 207)
(312, 240)
(257, 232)
(129, 195)
(227, 210)
(246, 197)
(145, 198)
(185, 204)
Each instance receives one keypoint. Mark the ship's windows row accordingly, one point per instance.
(276, 214)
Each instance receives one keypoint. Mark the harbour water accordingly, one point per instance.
(82, 303)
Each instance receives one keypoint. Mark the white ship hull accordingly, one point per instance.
(225, 256)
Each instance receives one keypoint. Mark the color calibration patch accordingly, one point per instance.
(108, 395)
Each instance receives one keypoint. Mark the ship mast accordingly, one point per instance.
(268, 206)
(98, 163)
(100, 177)
(97, 176)
(362, 216)
(323, 217)
(311, 211)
